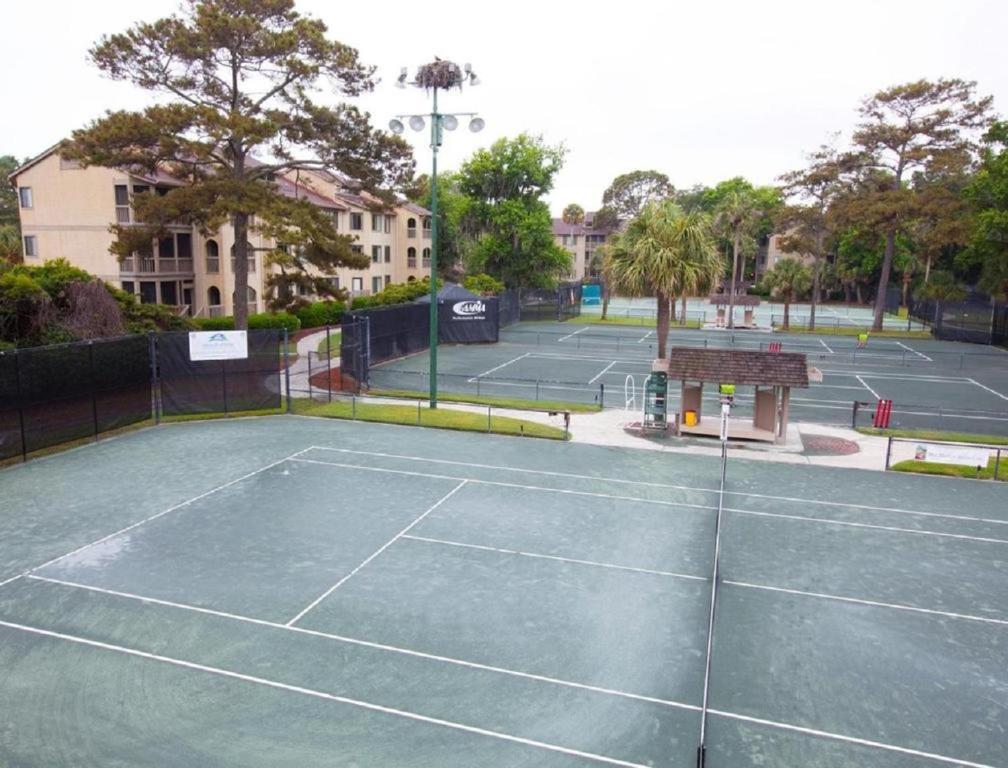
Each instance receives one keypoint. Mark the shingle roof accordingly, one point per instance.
(561, 227)
(737, 366)
(741, 300)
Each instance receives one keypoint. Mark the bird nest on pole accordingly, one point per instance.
(440, 74)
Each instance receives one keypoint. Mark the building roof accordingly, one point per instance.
(737, 366)
(412, 207)
(288, 188)
(561, 227)
(741, 300)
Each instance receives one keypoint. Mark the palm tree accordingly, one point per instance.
(662, 252)
(573, 214)
(788, 279)
(736, 216)
(700, 265)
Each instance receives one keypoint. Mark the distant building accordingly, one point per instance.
(775, 254)
(581, 240)
(66, 211)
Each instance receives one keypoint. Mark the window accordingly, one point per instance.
(427, 228)
(30, 246)
(166, 247)
(375, 284)
(388, 224)
(212, 257)
(183, 245)
(148, 292)
(358, 249)
(213, 296)
(375, 253)
(388, 279)
(377, 222)
(122, 211)
(303, 290)
(334, 282)
(357, 284)
(388, 254)
(169, 293)
(250, 252)
(334, 217)
(426, 257)
(410, 227)
(356, 220)
(25, 196)
(250, 296)
(128, 286)
(411, 258)
(411, 279)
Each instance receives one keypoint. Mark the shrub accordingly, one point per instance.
(274, 320)
(214, 323)
(483, 284)
(362, 302)
(320, 313)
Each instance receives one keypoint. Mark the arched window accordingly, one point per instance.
(251, 299)
(410, 227)
(411, 257)
(214, 308)
(411, 279)
(212, 257)
(250, 252)
(426, 257)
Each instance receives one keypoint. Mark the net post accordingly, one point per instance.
(20, 402)
(997, 463)
(328, 351)
(152, 353)
(489, 420)
(418, 412)
(309, 377)
(94, 394)
(353, 407)
(888, 452)
(286, 356)
(853, 418)
(601, 396)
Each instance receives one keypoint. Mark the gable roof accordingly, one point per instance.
(736, 366)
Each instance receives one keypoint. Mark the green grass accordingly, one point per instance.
(825, 330)
(292, 354)
(639, 322)
(334, 341)
(222, 415)
(951, 470)
(442, 418)
(516, 403)
(936, 435)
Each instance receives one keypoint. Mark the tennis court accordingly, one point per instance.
(294, 591)
(934, 384)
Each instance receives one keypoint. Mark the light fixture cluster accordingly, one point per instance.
(440, 74)
(448, 122)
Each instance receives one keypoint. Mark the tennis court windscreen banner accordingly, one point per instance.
(224, 384)
(473, 321)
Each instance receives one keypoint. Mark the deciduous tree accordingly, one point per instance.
(237, 84)
(988, 192)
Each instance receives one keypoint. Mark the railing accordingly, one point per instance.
(426, 234)
(411, 232)
(150, 265)
(212, 266)
(426, 262)
(411, 262)
(215, 310)
(122, 214)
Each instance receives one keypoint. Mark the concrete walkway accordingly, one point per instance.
(299, 370)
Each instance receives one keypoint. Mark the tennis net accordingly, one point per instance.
(702, 748)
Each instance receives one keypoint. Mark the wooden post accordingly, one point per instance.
(785, 408)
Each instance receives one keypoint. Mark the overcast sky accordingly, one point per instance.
(701, 91)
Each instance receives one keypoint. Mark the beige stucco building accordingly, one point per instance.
(66, 212)
(581, 241)
(775, 254)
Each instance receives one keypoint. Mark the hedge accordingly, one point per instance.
(255, 322)
(320, 313)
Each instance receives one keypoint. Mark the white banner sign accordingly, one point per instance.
(218, 345)
(952, 454)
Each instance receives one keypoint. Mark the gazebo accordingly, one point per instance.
(747, 302)
(772, 374)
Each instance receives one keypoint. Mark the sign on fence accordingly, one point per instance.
(952, 454)
(218, 345)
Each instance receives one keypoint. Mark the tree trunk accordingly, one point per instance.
(815, 278)
(682, 316)
(240, 296)
(906, 287)
(734, 272)
(927, 269)
(605, 299)
(883, 283)
(671, 304)
(857, 291)
(663, 321)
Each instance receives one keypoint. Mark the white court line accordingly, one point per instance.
(872, 526)
(993, 392)
(580, 330)
(318, 694)
(375, 554)
(365, 468)
(873, 603)
(601, 373)
(849, 739)
(827, 347)
(186, 503)
(649, 484)
(911, 349)
(874, 393)
(376, 646)
(497, 368)
(901, 376)
(644, 338)
(573, 560)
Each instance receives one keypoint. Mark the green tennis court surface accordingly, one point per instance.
(933, 384)
(291, 591)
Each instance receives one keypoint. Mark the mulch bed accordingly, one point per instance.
(824, 445)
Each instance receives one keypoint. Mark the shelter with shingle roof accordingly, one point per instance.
(771, 374)
(744, 300)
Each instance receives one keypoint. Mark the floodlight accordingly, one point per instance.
(476, 124)
(450, 122)
(396, 126)
(416, 123)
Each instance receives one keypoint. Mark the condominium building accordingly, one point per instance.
(581, 240)
(774, 253)
(66, 212)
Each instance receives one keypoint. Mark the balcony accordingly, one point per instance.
(148, 265)
(411, 262)
(215, 311)
(426, 234)
(426, 262)
(411, 232)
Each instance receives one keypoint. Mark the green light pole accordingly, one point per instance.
(431, 77)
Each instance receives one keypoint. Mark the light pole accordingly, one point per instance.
(431, 77)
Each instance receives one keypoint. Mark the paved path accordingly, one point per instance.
(299, 370)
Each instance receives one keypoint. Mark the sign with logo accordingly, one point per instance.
(218, 345)
(471, 309)
(952, 454)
